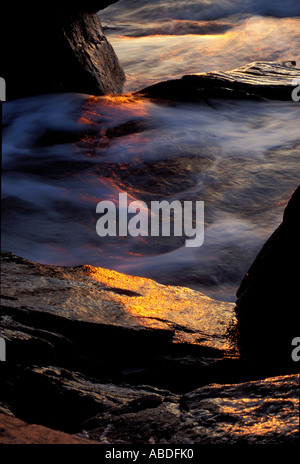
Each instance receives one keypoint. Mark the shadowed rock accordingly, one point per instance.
(264, 411)
(268, 308)
(58, 49)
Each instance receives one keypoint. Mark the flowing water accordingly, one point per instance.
(62, 154)
(157, 40)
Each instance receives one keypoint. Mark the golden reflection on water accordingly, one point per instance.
(113, 117)
(95, 108)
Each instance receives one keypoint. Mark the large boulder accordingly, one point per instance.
(267, 308)
(58, 48)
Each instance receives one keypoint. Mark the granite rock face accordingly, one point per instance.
(60, 49)
(267, 308)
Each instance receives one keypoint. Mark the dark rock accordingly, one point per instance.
(256, 81)
(51, 297)
(113, 358)
(114, 326)
(67, 400)
(263, 411)
(267, 307)
(58, 49)
(254, 412)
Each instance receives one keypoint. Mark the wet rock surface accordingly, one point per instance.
(256, 81)
(102, 356)
(130, 328)
(264, 411)
(100, 297)
(254, 412)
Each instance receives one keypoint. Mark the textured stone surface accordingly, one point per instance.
(264, 411)
(123, 328)
(258, 80)
(111, 358)
(59, 49)
(99, 296)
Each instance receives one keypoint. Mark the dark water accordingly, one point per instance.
(62, 154)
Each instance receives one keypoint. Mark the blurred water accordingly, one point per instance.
(158, 40)
(62, 154)
(137, 11)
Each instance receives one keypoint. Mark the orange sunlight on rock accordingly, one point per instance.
(198, 318)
